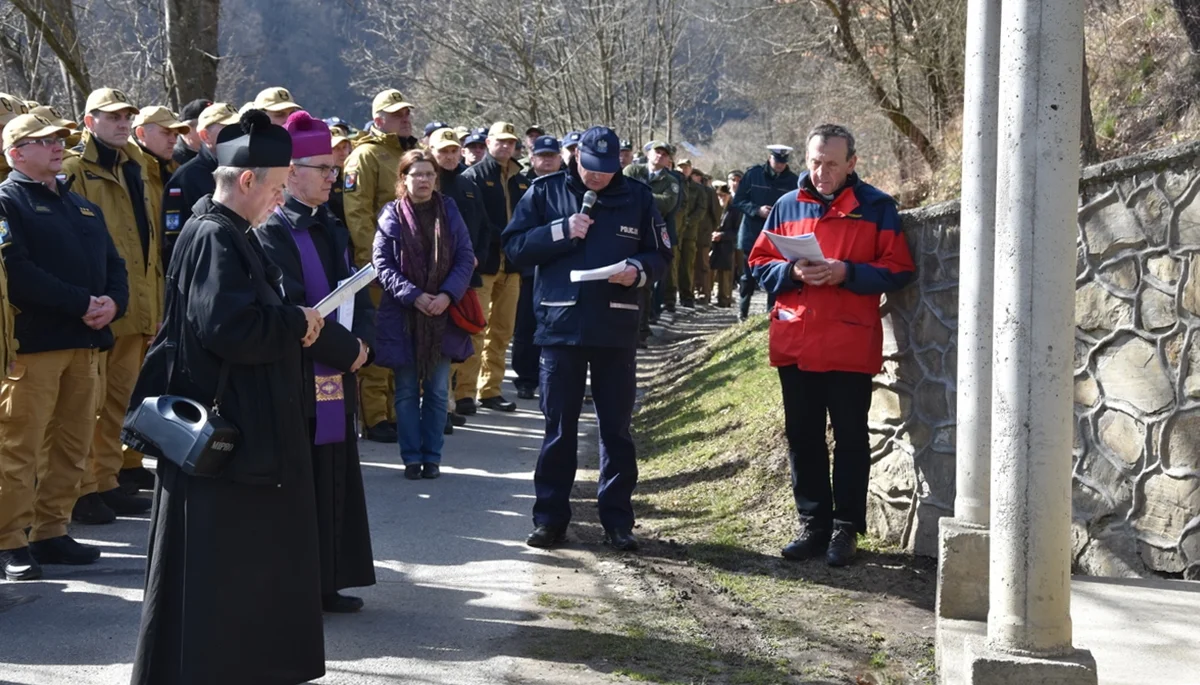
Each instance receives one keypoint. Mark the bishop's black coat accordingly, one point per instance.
(233, 593)
(346, 557)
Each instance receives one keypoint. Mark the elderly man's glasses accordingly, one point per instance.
(326, 170)
(45, 142)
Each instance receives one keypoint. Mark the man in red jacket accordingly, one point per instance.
(826, 337)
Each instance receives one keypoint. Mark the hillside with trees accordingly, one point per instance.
(725, 78)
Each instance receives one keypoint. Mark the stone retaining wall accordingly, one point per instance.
(1137, 359)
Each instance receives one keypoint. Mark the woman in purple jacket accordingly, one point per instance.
(424, 259)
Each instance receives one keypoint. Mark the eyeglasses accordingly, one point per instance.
(325, 169)
(421, 174)
(45, 142)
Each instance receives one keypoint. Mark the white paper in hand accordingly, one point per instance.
(601, 274)
(345, 311)
(794, 247)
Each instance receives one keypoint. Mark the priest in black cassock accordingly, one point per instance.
(233, 587)
(311, 246)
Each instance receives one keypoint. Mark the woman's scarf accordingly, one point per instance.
(428, 254)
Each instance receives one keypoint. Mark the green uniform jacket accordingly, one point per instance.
(665, 188)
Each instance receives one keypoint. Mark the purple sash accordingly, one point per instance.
(331, 407)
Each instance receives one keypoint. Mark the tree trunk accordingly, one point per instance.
(55, 21)
(1089, 152)
(1189, 15)
(192, 52)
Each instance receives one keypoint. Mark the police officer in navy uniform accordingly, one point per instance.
(587, 324)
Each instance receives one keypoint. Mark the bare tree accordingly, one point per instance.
(192, 53)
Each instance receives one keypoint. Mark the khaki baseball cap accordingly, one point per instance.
(31, 126)
(443, 138)
(389, 101)
(221, 113)
(54, 116)
(109, 100)
(10, 108)
(502, 130)
(338, 139)
(157, 114)
(275, 100)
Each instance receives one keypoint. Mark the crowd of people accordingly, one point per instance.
(149, 254)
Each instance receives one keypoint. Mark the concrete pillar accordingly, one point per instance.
(963, 540)
(1029, 620)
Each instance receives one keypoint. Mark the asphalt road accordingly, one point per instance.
(456, 582)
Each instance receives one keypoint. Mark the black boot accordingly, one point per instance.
(449, 429)
(621, 540)
(465, 406)
(63, 550)
(842, 545)
(92, 511)
(812, 542)
(382, 432)
(125, 505)
(337, 603)
(135, 479)
(412, 471)
(545, 537)
(18, 564)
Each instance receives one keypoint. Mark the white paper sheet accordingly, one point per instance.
(601, 274)
(794, 247)
(345, 312)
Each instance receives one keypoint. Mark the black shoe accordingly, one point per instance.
(92, 511)
(546, 537)
(382, 432)
(337, 603)
(18, 564)
(498, 403)
(670, 308)
(449, 429)
(393, 426)
(412, 471)
(457, 419)
(620, 540)
(525, 393)
(643, 345)
(135, 479)
(842, 545)
(465, 406)
(811, 542)
(430, 471)
(688, 305)
(125, 505)
(63, 550)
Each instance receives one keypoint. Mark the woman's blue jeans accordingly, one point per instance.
(421, 412)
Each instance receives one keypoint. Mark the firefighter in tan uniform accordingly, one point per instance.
(109, 170)
(369, 183)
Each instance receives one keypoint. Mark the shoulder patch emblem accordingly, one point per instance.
(674, 187)
(172, 219)
(175, 192)
(351, 183)
(5, 234)
(666, 237)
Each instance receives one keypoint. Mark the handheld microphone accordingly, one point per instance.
(589, 201)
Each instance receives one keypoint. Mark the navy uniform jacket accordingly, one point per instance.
(627, 226)
(760, 186)
(60, 256)
(187, 185)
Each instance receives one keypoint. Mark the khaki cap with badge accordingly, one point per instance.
(389, 101)
(54, 116)
(157, 114)
(502, 130)
(443, 138)
(109, 100)
(275, 100)
(11, 108)
(218, 113)
(31, 126)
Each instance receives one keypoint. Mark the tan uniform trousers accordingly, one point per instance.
(47, 419)
(702, 275)
(724, 278)
(119, 369)
(376, 385)
(483, 373)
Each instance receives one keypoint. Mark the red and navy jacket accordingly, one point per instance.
(833, 328)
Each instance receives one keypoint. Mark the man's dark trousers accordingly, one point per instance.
(746, 287)
(524, 352)
(563, 377)
(807, 395)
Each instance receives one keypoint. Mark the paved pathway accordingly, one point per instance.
(455, 579)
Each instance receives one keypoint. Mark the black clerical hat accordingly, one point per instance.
(254, 142)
